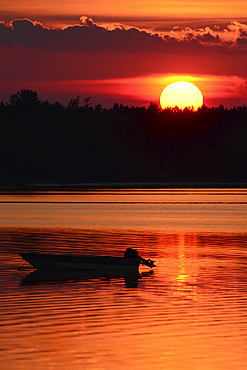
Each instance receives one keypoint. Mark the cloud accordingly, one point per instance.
(76, 58)
(91, 37)
(226, 38)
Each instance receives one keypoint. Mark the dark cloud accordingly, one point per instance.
(90, 37)
(209, 39)
(242, 42)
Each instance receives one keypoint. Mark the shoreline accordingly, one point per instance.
(34, 187)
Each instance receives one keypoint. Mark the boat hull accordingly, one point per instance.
(104, 264)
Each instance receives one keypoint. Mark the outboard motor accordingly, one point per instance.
(132, 253)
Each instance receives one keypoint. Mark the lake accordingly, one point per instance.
(189, 312)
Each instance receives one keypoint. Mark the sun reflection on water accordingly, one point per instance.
(186, 275)
(189, 313)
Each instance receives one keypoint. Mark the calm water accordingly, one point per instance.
(190, 313)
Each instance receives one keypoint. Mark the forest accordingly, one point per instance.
(47, 143)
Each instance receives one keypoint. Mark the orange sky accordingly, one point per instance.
(136, 8)
(124, 52)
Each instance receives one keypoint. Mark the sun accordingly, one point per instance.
(181, 94)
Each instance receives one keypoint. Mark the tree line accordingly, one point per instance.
(48, 142)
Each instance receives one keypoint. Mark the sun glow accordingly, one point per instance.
(181, 94)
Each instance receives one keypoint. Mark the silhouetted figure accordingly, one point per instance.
(131, 253)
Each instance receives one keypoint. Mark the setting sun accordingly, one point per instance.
(181, 94)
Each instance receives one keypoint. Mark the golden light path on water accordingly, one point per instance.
(190, 312)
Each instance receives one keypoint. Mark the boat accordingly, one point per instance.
(89, 264)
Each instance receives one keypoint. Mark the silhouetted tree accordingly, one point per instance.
(153, 109)
(49, 142)
(87, 102)
(98, 108)
(24, 99)
(74, 103)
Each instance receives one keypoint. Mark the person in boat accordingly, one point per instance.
(131, 253)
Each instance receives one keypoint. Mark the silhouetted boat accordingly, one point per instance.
(94, 264)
